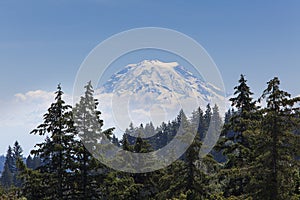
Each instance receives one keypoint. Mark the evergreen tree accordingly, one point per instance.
(130, 132)
(35, 184)
(89, 127)
(7, 176)
(235, 143)
(17, 155)
(199, 122)
(149, 129)
(145, 179)
(261, 145)
(29, 162)
(246, 108)
(33, 162)
(278, 147)
(125, 143)
(115, 141)
(56, 151)
(207, 117)
(121, 186)
(184, 176)
(213, 134)
(36, 162)
(215, 127)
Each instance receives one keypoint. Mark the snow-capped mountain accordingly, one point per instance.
(153, 91)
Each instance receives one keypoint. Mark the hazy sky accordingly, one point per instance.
(43, 43)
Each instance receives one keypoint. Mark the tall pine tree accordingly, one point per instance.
(7, 176)
(235, 143)
(17, 155)
(278, 149)
(56, 151)
(89, 129)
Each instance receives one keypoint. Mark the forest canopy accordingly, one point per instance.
(256, 156)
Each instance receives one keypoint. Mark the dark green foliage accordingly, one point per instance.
(56, 150)
(199, 122)
(235, 141)
(120, 186)
(11, 194)
(189, 178)
(144, 180)
(260, 147)
(33, 162)
(278, 148)
(7, 176)
(2, 161)
(125, 143)
(206, 123)
(89, 128)
(35, 184)
(29, 162)
(17, 155)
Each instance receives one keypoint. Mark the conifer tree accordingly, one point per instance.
(215, 127)
(125, 143)
(246, 108)
(199, 122)
(89, 129)
(35, 184)
(207, 117)
(121, 186)
(7, 176)
(115, 141)
(278, 148)
(145, 179)
(235, 143)
(56, 150)
(184, 176)
(17, 155)
(29, 162)
(36, 162)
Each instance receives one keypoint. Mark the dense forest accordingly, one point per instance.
(256, 156)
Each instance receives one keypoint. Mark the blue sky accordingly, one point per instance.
(43, 43)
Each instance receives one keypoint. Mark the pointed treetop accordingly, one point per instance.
(58, 92)
(243, 101)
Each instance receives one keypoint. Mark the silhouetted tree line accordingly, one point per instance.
(256, 156)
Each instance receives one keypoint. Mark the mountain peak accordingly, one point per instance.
(152, 90)
(154, 63)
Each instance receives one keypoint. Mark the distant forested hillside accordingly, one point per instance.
(2, 160)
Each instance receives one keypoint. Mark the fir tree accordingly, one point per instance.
(207, 117)
(17, 155)
(199, 122)
(125, 143)
(7, 176)
(29, 162)
(89, 127)
(115, 141)
(278, 147)
(145, 179)
(35, 184)
(235, 143)
(56, 151)
(121, 186)
(36, 162)
(184, 176)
